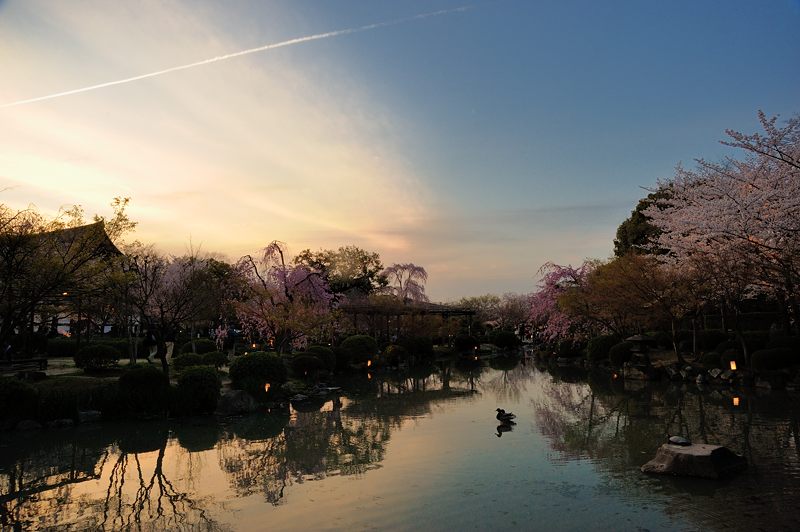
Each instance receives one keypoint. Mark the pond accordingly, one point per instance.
(421, 450)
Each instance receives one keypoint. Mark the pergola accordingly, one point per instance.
(383, 319)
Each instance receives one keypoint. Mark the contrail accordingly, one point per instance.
(264, 48)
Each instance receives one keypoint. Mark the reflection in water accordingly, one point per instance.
(200, 474)
(619, 425)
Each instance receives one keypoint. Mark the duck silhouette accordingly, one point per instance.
(505, 417)
(503, 427)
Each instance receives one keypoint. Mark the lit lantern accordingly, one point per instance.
(369, 376)
(733, 365)
(369, 363)
(253, 346)
(735, 401)
(476, 358)
(614, 376)
(266, 388)
(65, 294)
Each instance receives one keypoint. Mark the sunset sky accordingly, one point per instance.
(478, 142)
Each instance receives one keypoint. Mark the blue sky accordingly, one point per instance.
(478, 143)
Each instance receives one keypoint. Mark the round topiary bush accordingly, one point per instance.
(18, 401)
(251, 372)
(96, 356)
(505, 339)
(187, 360)
(620, 353)
(201, 346)
(198, 390)
(144, 390)
(216, 359)
(325, 354)
(306, 365)
(360, 348)
(772, 359)
(598, 347)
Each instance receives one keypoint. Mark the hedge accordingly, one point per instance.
(143, 390)
(306, 365)
(215, 358)
(325, 354)
(504, 339)
(187, 360)
(96, 356)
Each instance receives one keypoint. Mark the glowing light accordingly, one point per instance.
(614, 376)
(735, 401)
(369, 376)
(253, 346)
(369, 363)
(733, 365)
(266, 388)
(476, 358)
(65, 294)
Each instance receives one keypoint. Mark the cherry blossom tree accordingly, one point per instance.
(747, 210)
(552, 323)
(283, 302)
(407, 281)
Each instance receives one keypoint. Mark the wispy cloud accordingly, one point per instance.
(225, 57)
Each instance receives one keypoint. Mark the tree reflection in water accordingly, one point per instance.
(619, 425)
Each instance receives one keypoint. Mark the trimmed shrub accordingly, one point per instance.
(187, 360)
(325, 354)
(18, 400)
(395, 354)
(62, 346)
(197, 391)
(712, 359)
(789, 342)
(201, 346)
(63, 397)
(661, 338)
(417, 345)
(359, 348)
(620, 353)
(143, 390)
(772, 359)
(252, 371)
(306, 365)
(598, 347)
(215, 358)
(504, 339)
(96, 356)
(464, 343)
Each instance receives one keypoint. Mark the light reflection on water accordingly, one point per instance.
(418, 450)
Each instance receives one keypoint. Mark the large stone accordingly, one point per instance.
(235, 402)
(696, 460)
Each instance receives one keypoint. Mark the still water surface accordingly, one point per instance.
(419, 451)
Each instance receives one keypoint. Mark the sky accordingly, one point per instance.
(478, 140)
